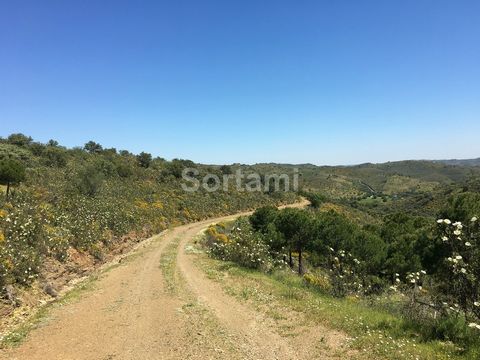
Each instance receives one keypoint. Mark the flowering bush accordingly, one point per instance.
(343, 273)
(459, 280)
(240, 244)
(22, 241)
(318, 281)
(445, 304)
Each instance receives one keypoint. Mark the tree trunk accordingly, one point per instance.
(8, 188)
(300, 262)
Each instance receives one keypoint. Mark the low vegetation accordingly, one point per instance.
(90, 199)
(421, 273)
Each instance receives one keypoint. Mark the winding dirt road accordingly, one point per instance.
(156, 304)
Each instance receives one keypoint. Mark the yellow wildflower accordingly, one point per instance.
(158, 205)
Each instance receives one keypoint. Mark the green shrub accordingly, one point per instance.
(243, 246)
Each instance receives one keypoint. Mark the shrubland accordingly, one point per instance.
(423, 271)
(90, 199)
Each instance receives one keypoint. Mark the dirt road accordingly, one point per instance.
(156, 304)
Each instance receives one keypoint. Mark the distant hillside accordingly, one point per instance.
(418, 176)
(461, 162)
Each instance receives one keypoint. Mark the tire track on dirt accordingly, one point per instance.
(120, 318)
(255, 339)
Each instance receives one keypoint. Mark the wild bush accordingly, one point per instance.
(242, 245)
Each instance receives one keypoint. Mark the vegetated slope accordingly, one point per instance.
(461, 162)
(418, 187)
(368, 178)
(425, 269)
(78, 206)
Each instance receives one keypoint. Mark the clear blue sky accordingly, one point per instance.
(326, 82)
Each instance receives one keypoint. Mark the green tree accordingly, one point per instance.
(19, 139)
(226, 169)
(124, 170)
(461, 207)
(297, 227)
(144, 159)
(316, 199)
(37, 148)
(263, 221)
(332, 230)
(176, 166)
(125, 153)
(52, 142)
(263, 217)
(11, 172)
(370, 249)
(55, 156)
(405, 237)
(89, 180)
(92, 147)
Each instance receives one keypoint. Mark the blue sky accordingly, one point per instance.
(326, 82)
